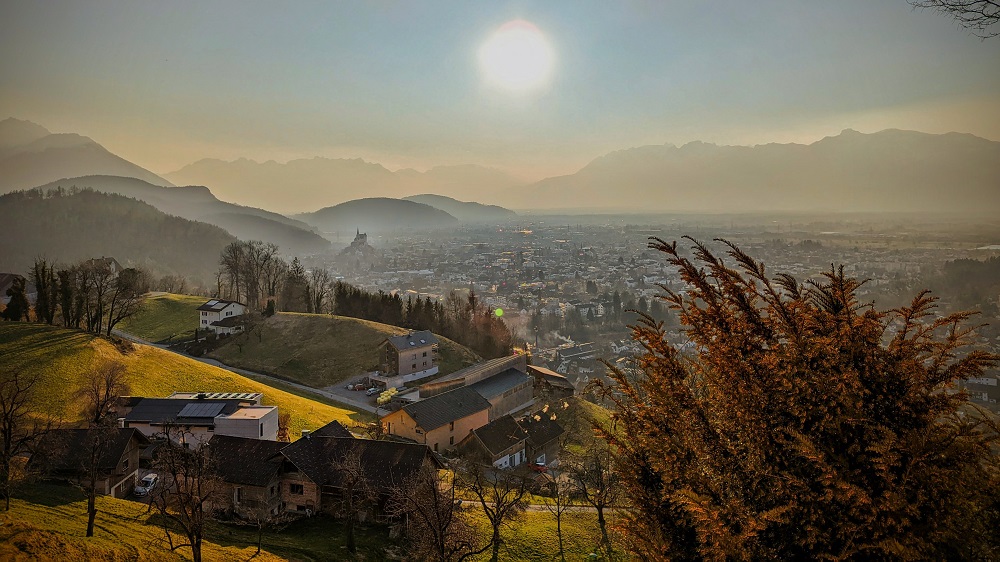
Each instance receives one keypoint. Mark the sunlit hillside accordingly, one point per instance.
(62, 357)
(321, 350)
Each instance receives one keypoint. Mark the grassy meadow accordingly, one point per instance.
(63, 357)
(165, 317)
(48, 522)
(321, 350)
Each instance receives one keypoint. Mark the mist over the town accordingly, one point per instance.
(500, 281)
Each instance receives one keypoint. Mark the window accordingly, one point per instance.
(414, 365)
(272, 491)
(425, 363)
(451, 440)
(300, 508)
(237, 495)
(211, 428)
(414, 355)
(425, 354)
(435, 447)
(262, 429)
(451, 426)
(297, 489)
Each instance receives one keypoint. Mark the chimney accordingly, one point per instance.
(305, 433)
(121, 422)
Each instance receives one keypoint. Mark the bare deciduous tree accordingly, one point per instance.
(978, 16)
(102, 387)
(21, 425)
(188, 487)
(434, 526)
(501, 495)
(356, 493)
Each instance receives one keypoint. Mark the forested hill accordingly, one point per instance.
(66, 227)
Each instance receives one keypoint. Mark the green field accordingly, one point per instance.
(62, 357)
(321, 350)
(48, 522)
(165, 317)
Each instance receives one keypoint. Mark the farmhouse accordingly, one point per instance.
(65, 454)
(194, 417)
(221, 317)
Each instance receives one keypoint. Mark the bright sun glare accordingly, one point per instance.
(517, 56)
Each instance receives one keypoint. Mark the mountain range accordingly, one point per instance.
(325, 181)
(31, 156)
(199, 204)
(888, 171)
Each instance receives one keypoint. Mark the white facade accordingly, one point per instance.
(216, 311)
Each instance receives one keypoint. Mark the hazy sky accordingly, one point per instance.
(166, 83)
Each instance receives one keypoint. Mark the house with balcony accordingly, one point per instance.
(221, 316)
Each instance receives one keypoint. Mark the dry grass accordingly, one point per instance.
(321, 350)
(62, 358)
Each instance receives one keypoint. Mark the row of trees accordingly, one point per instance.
(95, 294)
(465, 320)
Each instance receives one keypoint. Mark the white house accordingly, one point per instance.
(221, 316)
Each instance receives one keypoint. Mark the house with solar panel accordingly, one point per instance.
(194, 417)
(220, 316)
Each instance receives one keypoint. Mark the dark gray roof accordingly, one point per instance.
(446, 407)
(216, 305)
(500, 434)
(68, 450)
(413, 340)
(229, 321)
(499, 383)
(386, 463)
(542, 430)
(160, 410)
(332, 429)
(242, 460)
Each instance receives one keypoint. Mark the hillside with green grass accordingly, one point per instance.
(62, 357)
(48, 522)
(165, 317)
(321, 350)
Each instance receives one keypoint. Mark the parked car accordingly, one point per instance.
(539, 467)
(373, 391)
(146, 485)
(359, 386)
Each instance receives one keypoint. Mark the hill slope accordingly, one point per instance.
(28, 160)
(378, 214)
(165, 317)
(888, 171)
(73, 227)
(198, 203)
(62, 357)
(320, 350)
(462, 210)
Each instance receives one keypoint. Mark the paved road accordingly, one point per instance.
(348, 400)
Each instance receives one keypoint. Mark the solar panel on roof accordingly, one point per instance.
(211, 302)
(198, 410)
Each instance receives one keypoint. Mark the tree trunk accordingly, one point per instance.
(604, 529)
(260, 537)
(349, 525)
(496, 545)
(196, 550)
(562, 553)
(91, 509)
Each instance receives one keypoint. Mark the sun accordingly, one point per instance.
(517, 56)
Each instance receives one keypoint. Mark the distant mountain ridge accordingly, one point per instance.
(30, 156)
(378, 214)
(199, 204)
(465, 211)
(888, 171)
(330, 181)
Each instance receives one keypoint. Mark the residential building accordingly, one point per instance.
(221, 316)
(441, 421)
(250, 470)
(409, 354)
(500, 442)
(503, 382)
(65, 454)
(550, 385)
(194, 417)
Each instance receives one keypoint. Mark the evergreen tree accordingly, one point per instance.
(805, 425)
(17, 306)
